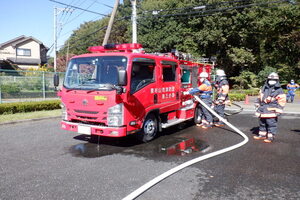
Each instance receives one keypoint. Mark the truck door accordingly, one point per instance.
(169, 87)
(142, 79)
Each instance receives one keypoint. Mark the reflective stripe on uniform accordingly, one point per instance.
(277, 110)
(281, 99)
(267, 115)
(262, 133)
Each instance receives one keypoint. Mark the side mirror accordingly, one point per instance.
(122, 80)
(56, 80)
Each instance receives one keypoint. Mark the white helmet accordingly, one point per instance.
(203, 75)
(274, 76)
(220, 72)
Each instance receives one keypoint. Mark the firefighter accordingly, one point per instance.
(222, 98)
(292, 87)
(269, 103)
(205, 94)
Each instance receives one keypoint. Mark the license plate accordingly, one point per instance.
(84, 130)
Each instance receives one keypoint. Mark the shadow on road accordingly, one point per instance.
(297, 131)
(255, 130)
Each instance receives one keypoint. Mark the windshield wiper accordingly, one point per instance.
(110, 85)
(68, 90)
(119, 89)
(103, 86)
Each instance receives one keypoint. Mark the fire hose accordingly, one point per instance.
(168, 173)
(237, 109)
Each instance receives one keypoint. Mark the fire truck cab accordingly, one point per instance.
(115, 91)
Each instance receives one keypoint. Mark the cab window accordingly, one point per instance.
(142, 73)
(169, 71)
(186, 74)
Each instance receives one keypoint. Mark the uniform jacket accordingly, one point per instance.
(205, 90)
(271, 101)
(222, 87)
(292, 88)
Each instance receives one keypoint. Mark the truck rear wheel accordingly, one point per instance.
(197, 115)
(149, 130)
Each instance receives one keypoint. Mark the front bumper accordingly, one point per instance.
(94, 130)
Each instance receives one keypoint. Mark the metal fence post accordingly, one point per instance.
(44, 86)
(0, 90)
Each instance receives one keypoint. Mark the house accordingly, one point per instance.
(22, 52)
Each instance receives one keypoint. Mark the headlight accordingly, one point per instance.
(64, 114)
(115, 115)
(116, 109)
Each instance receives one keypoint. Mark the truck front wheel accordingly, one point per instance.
(198, 115)
(149, 130)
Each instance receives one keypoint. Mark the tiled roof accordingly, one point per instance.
(21, 39)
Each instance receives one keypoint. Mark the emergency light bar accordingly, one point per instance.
(115, 47)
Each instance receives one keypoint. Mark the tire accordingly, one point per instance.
(149, 130)
(197, 115)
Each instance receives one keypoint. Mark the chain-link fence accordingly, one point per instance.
(27, 85)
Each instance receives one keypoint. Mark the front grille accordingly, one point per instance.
(83, 117)
(86, 112)
(90, 123)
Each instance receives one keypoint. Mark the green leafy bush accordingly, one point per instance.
(34, 84)
(246, 80)
(263, 74)
(10, 88)
(10, 108)
(237, 96)
(250, 92)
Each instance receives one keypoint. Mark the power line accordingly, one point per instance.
(78, 14)
(198, 6)
(101, 28)
(102, 4)
(68, 6)
(73, 2)
(95, 19)
(78, 8)
(200, 15)
(192, 14)
(212, 10)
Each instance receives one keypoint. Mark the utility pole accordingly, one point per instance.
(111, 21)
(57, 11)
(134, 24)
(55, 37)
(67, 57)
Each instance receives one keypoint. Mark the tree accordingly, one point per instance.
(263, 74)
(242, 36)
(62, 61)
(241, 57)
(246, 80)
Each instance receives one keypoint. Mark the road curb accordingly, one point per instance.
(28, 120)
(288, 113)
(44, 118)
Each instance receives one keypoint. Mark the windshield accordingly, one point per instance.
(94, 72)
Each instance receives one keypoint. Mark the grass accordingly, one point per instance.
(29, 115)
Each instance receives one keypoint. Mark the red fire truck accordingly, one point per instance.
(115, 91)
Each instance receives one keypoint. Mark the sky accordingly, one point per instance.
(36, 18)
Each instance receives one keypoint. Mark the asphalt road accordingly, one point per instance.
(40, 161)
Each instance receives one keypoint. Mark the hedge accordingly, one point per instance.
(250, 92)
(28, 94)
(237, 96)
(19, 107)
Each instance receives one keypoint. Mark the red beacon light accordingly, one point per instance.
(115, 47)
